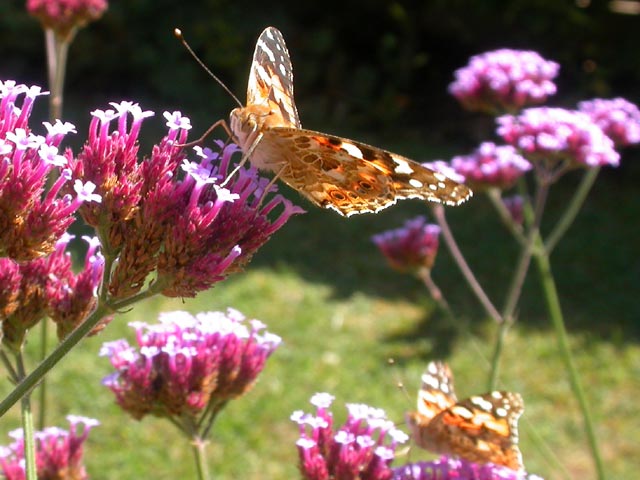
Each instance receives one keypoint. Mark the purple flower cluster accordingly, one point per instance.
(32, 218)
(410, 248)
(491, 166)
(449, 469)
(363, 448)
(58, 452)
(552, 138)
(504, 81)
(187, 364)
(618, 118)
(168, 214)
(48, 287)
(63, 16)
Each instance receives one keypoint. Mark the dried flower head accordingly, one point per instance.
(504, 81)
(58, 452)
(186, 365)
(362, 448)
(618, 118)
(410, 248)
(491, 166)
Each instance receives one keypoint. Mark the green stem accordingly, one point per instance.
(557, 319)
(438, 213)
(517, 281)
(505, 217)
(42, 388)
(572, 210)
(198, 446)
(27, 426)
(30, 381)
(57, 52)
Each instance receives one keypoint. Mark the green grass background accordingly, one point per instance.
(321, 285)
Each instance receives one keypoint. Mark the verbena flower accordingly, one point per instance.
(554, 139)
(32, 217)
(446, 468)
(491, 166)
(47, 287)
(58, 452)
(618, 118)
(172, 215)
(64, 16)
(187, 364)
(504, 81)
(363, 448)
(514, 205)
(410, 248)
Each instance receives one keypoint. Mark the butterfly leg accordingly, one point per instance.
(219, 124)
(270, 184)
(243, 160)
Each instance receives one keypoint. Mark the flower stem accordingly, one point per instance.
(572, 210)
(198, 446)
(557, 319)
(438, 213)
(57, 50)
(27, 383)
(42, 388)
(27, 426)
(517, 281)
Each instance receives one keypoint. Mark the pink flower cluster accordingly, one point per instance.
(48, 287)
(187, 364)
(449, 469)
(618, 118)
(410, 248)
(363, 448)
(32, 217)
(549, 137)
(504, 81)
(168, 214)
(491, 166)
(58, 452)
(63, 16)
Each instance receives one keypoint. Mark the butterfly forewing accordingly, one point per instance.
(481, 428)
(333, 172)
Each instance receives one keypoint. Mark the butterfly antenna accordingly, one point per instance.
(178, 33)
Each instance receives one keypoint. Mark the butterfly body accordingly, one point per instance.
(332, 172)
(481, 428)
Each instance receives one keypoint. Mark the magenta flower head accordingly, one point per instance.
(363, 448)
(186, 365)
(446, 468)
(32, 217)
(555, 139)
(66, 16)
(172, 215)
(47, 287)
(618, 118)
(58, 452)
(410, 248)
(504, 81)
(491, 166)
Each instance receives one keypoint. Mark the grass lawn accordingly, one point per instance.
(322, 286)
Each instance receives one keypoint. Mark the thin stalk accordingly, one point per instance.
(505, 216)
(557, 319)
(198, 446)
(572, 210)
(42, 389)
(57, 52)
(27, 426)
(517, 281)
(438, 213)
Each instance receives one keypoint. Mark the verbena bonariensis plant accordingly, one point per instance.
(542, 142)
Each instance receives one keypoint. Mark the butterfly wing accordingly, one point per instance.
(271, 77)
(348, 176)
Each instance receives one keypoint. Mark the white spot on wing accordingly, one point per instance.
(415, 183)
(402, 166)
(351, 150)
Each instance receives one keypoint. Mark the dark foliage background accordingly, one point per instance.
(377, 65)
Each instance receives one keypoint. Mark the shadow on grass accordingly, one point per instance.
(596, 265)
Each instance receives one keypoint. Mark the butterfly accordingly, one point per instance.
(332, 172)
(480, 429)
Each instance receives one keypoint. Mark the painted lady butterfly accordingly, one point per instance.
(481, 428)
(332, 172)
